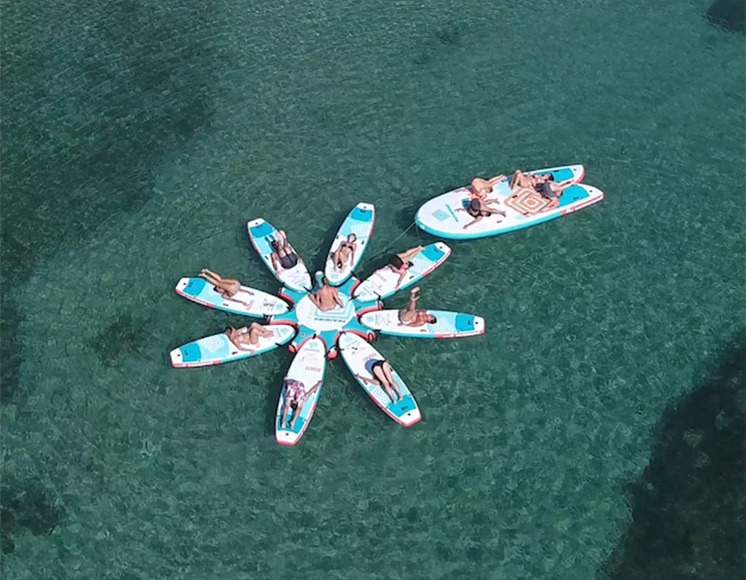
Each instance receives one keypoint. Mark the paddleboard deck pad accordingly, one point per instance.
(359, 223)
(217, 349)
(307, 368)
(246, 301)
(382, 283)
(443, 216)
(262, 234)
(359, 356)
(447, 325)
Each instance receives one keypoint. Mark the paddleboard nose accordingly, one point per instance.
(176, 358)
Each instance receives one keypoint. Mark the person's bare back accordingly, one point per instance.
(326, 297)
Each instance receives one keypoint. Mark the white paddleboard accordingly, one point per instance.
(523, 207)
(261, 234)
(216, 349)
(359, 355)
(246, 301)
(447, 324)
(382, 283)
(308, 368)
(359, 223)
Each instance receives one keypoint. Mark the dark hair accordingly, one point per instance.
(352, 236)
(293, 404)
(273, 244)
(434, 319)
(550, 177)
(324, 281)
(475, 205)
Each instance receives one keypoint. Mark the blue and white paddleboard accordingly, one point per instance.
(246, 301)
(216, 349)
(359, 224)
(359, 356)
(447, 325)
(262, 234)
(382, 283)
(308, 368)
(523, 207)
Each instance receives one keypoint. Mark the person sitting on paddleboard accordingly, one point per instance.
(402, 262)
(282, 254)
(345, 252)
(226, 287)
(295, 397)
(327, 297)
(412, 317)
(247, 336)
(380, 371)
(479, 209)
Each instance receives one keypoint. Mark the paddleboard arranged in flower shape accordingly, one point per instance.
(323, 316)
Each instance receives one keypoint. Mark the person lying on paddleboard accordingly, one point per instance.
(480, 188)
(327, 297)
(479, 209)
(412, 317)
(548, 189)
(247, 336)
(528, 180)
(295, 397)
(400, 263)
(380, 371)
(345, 252)
(226, 287)
(282, 254)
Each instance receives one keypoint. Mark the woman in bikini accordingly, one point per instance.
(345, 252)
(295, 397)
(479, 209)
(380, 370)
(282, 254)
(247, 337)
(226, 287)
(480, 188)
(528, 180)
(412, 317)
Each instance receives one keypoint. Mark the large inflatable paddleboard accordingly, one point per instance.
(262, 234)
(246, 301)
(447, 325)
(356, 231)
(216, 349)
(307, 368)
(382, 283)
(359, 356)
(442, 215)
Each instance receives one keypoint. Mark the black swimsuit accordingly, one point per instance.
(289, 261)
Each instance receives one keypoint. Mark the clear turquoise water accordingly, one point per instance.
(138, 138)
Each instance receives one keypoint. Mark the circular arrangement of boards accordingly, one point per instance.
(334, 313)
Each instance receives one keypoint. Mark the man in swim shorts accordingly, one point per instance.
(380, 371)
(402, 262)
(327, 297)
(478, 209)
(282, 254)
(295, 397)
(412, 317)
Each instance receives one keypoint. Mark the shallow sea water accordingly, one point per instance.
(138, 139)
